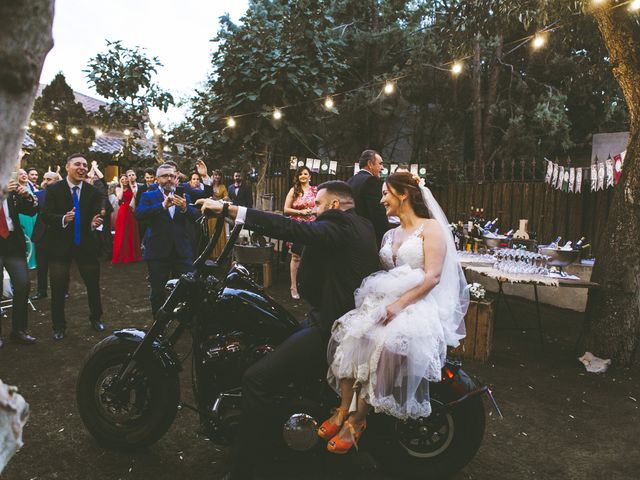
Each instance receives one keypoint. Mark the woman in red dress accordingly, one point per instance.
(299, 205)
(126, 242)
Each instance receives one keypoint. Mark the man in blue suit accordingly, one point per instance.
(167, 244)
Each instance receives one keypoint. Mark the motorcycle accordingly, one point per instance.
(128, 389)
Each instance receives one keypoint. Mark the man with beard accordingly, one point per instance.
(72, 214)
(340, 251)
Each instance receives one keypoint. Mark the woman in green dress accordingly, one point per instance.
(28, 222)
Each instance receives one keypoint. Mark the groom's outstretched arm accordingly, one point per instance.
(329, 229)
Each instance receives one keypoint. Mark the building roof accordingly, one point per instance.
(90, 104)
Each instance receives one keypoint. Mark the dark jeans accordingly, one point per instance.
(89, 269)
(42, 259)
(303, 356)
(161, 271)
(16, 266)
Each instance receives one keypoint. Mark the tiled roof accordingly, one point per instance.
(90, 104)
(106, 144)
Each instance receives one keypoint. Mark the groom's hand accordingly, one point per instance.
(212, 208)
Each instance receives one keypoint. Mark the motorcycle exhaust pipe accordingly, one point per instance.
(473, 393)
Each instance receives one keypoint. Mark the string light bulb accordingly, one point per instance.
(328, 103)
(456, 68)
(49, 126)
(99, 132)
(539, 39)
(58, 137)
(634, 6)
(277, 114)
(389, 88)
(33, 123)
(231, 122)
(127, 132)
(74, 130)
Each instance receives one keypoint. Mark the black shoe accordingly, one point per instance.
(58, 334)
(97, 325)
(22, 338)
(39, 295)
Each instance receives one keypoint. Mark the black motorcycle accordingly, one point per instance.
(128, 391)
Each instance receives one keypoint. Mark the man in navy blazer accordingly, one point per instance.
(167, 243)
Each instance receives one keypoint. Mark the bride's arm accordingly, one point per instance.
(434, 249)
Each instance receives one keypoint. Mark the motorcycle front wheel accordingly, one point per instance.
(137, 416)
(434, 447)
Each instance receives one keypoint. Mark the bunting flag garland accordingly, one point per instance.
(413, 168)
(594, 176)
(333, 167)
(356, 168)
(293, 162)
(393, 168)
(578, 180)
(565, 181)
(609, 172)
(324, 166)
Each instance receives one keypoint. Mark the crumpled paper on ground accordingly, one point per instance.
(594, 364)
(14, 412)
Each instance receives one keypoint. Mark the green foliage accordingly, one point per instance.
(125, 77)
(291, 53)
(57, 106)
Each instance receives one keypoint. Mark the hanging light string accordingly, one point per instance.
(388, 86)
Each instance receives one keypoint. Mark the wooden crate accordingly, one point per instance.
(479, 323)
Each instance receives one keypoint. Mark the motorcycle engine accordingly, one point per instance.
(300, 432)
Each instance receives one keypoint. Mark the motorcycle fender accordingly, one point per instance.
(165, 355)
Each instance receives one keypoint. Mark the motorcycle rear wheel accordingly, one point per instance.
(436, 447)
(132, 421)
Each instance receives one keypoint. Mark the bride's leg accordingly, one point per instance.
(331, 426)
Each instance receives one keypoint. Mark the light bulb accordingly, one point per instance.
(634, 6)
(538, 41)
(231, 122)
(277, 114)
(99, 132)
(74, 130)
(389, 88)
(33, 123)
(328, 103)
(49, 126)
(58, 137)
(456, 68)
(127, 132)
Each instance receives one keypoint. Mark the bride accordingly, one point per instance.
(383, 354)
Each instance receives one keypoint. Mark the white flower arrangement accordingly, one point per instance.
(477, 291)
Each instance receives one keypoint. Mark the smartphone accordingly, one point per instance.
(179, 191)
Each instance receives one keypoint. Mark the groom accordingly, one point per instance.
(340, 252)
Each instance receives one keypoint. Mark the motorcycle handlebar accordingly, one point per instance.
(235, 232)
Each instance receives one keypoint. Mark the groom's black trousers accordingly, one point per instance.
(303, 356)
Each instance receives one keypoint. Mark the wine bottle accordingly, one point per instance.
(509, 234)
(556, 242)
(579, 243)
(567, 246)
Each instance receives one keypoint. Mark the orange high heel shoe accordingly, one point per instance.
(328, 429)
(340, 446)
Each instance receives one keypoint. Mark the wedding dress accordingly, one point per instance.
(393, 364)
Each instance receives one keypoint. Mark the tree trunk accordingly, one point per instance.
(612, 328)
(492, 98)
(25, 39)
(157, 139)
(478, 167)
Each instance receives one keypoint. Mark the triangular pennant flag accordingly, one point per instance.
(594, 177)
(413, 168)
(609, 173)
(600, 176)
(324, 166)
(356, 168)
(549, 174)
(578, 180)
(393, 167)
(617, 167)
(572, 179)
(554, 177)
(560, 178)
(293, 162)
(333, 167)
(565, 181)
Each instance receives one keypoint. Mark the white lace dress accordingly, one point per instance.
(393, 364)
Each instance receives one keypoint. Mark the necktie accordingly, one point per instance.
(4, 228)
(76, 219)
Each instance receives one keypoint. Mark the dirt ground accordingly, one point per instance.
(559, 421)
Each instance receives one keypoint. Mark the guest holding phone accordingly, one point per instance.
(126, 242)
